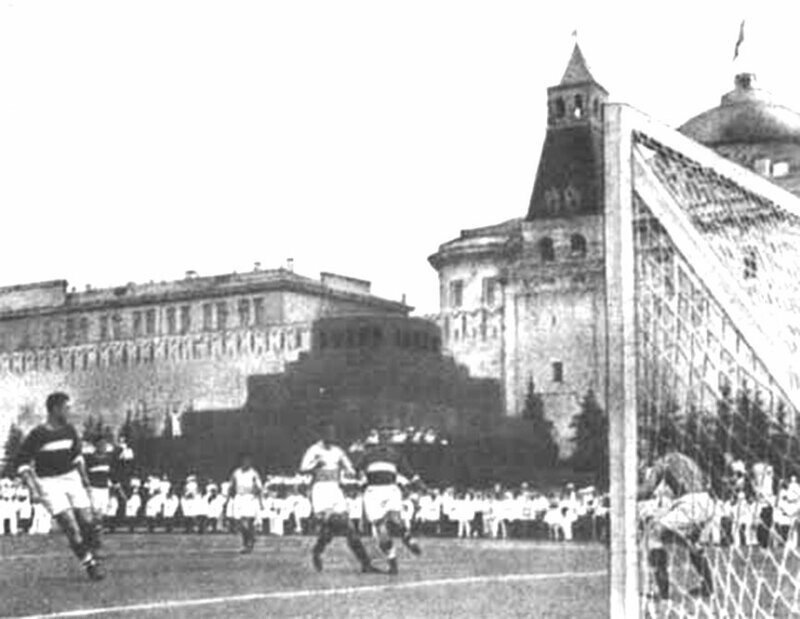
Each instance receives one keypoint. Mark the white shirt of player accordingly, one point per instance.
(246, 482)
(326, 462)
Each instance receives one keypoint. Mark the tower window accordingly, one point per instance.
(577, 245)
(561, 109)
(547, 250)
(750, 264)
(762, 166)
(596, 107)
(578, 109)
(558, 372)
(780, 168)
(456, 293)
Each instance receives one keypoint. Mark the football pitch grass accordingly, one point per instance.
(161, 575)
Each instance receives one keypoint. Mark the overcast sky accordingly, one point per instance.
(145, 138)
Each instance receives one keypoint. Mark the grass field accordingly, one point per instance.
(162, 575)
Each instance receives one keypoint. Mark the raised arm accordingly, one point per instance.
(310, 461)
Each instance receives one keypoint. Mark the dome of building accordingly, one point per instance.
(746, 115)
(752, 129)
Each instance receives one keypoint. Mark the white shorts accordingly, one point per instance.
(327, 498)
(99, 498)
(381, 500)
(63, 492)
(246, 506)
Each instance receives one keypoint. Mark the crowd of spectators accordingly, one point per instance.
(155, 503)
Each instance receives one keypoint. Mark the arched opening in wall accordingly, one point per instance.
(577, 245)
(577, 110)
(151, 353)
(561, 108)
(464, 325)
(596, 106)
(547, 251)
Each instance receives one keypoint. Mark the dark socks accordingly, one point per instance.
(658, 560)
(700, 563)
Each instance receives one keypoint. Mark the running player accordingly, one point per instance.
(325, 461)
(690, 513)
(382, 465)
(245, 492)
(51, 464)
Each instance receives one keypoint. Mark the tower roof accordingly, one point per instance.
(577, 71)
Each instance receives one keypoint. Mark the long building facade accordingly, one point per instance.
(162, 347)
(525, 300)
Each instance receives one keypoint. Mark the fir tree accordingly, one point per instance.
(590, 438)
(10, 450)
(544, 445)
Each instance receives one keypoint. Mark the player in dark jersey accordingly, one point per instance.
(99, 461)
(51, 464)
(691, 511)
(382, 465)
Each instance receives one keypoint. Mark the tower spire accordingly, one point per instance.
(577, 71)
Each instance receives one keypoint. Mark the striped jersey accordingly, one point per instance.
(98, 467)
(326, 462)
(382, 464)
(51, 451)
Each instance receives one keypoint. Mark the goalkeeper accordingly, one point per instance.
(690, 513)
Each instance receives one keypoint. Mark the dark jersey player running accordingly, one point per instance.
(382, 465)
(51, 464)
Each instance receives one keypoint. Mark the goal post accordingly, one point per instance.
(621, 370)
(702, 283)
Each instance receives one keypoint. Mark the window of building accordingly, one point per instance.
(222, 316)
(208, 316)
(337, 338)
(186, 318)
(578, 109)
(151, 352)
(244, 312)
(456, 293)
(150, 322)
(377, 336)
(577, 245)
(70, 332)
(282, 344)
(124, 356)
(437, 345)
(547, 250)
(596, 106)
(298, 339)
(750, 263)
(116, 326)
(558, 372)
(171, 326)
(489, 290)
(780, 168)
(137, 324)
(561, 108)
(464, 325)
(258, 311)
(137, 355)
(84, 328)
(323, 340)
(762, 166)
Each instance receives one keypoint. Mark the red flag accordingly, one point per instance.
(739, 41)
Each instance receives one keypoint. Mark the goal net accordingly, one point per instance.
(703, 298)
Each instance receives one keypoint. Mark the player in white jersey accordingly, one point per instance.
(326, 462)
(245, 492)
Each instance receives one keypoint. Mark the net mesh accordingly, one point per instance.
(704, 390)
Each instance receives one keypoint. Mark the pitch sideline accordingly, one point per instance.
(304, 593)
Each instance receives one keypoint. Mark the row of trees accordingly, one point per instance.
(590, 436)
(740, 428)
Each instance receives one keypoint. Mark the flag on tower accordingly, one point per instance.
(739, 41)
